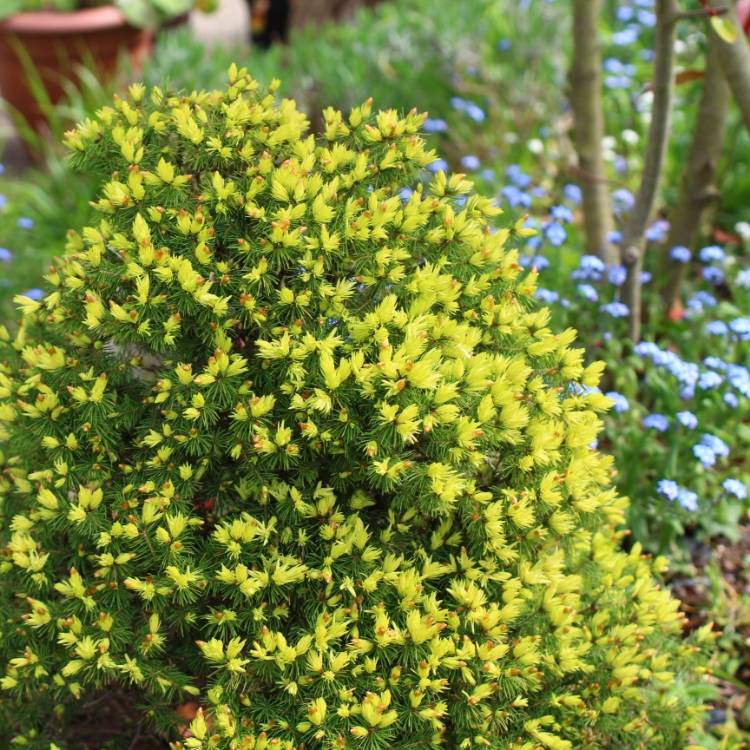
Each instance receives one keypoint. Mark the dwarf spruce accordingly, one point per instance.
(293, 443)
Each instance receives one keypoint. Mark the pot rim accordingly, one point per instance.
(51, 22)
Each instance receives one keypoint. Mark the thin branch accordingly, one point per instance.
(633, 242)
(577, 171)
(735, 61)
(684, 15)
(698, 191)
(586, 101)
(144, 534)
(134, 742)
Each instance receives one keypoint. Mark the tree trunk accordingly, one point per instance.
(586, 101)
(735, 61)
(319, 11)
(633, 242)
(698, 190)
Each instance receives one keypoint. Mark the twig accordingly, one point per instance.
(96, 701)
(137, 734)
(701, 13)
(148, 541)
(633, 242)
(735, 62)
(574, 169)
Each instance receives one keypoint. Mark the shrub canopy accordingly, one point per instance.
(290, 436)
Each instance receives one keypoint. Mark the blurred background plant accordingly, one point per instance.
(493, 76)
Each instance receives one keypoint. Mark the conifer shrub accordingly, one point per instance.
(296, 444)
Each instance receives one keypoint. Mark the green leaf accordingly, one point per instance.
(725, 28)
(140, 13)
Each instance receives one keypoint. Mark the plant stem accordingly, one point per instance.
(633, 242)
(698, 190)
(586, 100)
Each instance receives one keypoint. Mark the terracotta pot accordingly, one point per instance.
(55, 44)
